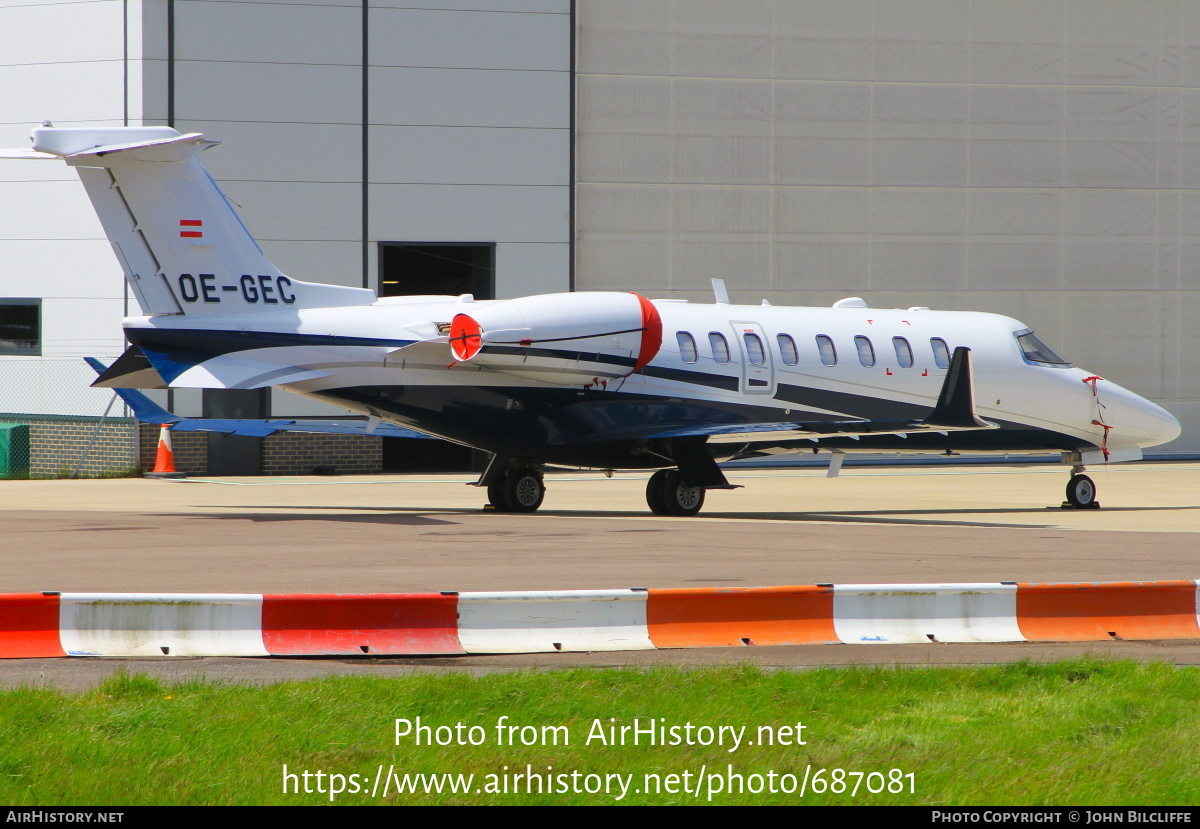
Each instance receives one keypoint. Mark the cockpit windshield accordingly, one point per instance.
(1036, 351)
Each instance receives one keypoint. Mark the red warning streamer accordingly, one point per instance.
(1095, 378)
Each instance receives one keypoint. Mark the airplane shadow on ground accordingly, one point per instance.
(903, 516)
(424, 516)
(393, 516)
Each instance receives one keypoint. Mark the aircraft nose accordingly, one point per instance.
(1168, 424)
(1135, 419)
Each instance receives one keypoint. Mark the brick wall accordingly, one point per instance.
(282, 454)
(301, 454)
(124, 446)
(57, 443)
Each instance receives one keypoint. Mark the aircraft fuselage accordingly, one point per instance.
(578, 400)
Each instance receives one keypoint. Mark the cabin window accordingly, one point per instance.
(904, 354)
(687, 346)
(941, 353)
(720, 348)
(755, 352)
(1036, 351)
(787, 350)
(826, 350)
(866, 351)
(21, 327)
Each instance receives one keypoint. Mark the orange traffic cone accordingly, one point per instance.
(164, 461)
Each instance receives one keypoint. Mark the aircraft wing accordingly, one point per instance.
(262, 428)
(147, 411)
(799, 430)
(953, 412)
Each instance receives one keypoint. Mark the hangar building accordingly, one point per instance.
(1038, 158)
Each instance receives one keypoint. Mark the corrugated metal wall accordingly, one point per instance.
(467, 119)
(1038, 158)
(467, 134)
(60, 61)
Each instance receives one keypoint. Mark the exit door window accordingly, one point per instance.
(754, 349)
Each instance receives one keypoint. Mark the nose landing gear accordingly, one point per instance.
(1081, 491)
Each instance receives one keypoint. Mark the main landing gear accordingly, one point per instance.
(1081, 491)
(512, 485)
(668, 494)
(515, 485)
(517, 490)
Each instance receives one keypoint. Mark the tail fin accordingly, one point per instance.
(183, 248)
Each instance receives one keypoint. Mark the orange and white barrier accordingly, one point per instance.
(908, 613)
(1113, 610)
(362, 623)
(29, 625)
(718, 617)
(228, 624)
(140, 624)
(545, 622)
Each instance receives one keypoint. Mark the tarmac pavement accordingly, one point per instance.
(411, 533)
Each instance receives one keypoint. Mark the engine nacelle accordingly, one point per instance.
(561, 338)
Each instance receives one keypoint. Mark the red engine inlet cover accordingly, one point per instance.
(652, 332)
(466, 337)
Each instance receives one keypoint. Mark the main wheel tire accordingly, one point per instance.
(1081, 491)
(523, 491)
(656, 492)
(679, 498)
(496, 497)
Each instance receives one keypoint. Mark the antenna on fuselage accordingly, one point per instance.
(720, 295)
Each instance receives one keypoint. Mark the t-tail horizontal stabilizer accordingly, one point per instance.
(183, 248)
(147, 411)
(955, 407)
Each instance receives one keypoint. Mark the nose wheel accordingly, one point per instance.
(668, 494)
(1081, 493)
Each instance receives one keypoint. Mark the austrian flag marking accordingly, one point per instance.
(191, 234)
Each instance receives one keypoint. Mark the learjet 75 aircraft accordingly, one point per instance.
(587, 379)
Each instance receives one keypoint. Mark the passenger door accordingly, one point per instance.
(758, 363)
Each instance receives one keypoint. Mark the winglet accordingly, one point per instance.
(144, 409)
(956, 403)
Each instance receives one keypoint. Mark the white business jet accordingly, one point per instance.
(589, 379)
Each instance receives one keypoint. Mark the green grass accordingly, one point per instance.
(1082, 732)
